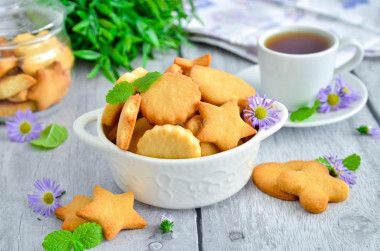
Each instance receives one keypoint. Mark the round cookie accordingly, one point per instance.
(169, 142)
(218, 87)
(170, 100)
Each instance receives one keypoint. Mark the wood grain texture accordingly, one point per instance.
(77, 167)
(252, 220)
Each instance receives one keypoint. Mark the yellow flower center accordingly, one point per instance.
(25, 127)
(333, 99)
(346, 90)
(48, 198)
(260, 113)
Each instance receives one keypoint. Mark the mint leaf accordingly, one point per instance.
(327, 164)
(120, 93)
(143, 84)
(53, 136)
(352, 162)
(87, 236)
(58, 240)
(304, 112)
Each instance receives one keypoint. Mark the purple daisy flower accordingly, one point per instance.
(164, 217)
(340, 171)
(333, 100)
(23, 126)
(259, 112)
(45, 200)
(370, 130)
(347, 90)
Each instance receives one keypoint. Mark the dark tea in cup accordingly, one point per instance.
(297, 43)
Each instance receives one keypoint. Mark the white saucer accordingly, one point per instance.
(252, 76)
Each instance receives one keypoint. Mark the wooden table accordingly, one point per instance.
(249, 220)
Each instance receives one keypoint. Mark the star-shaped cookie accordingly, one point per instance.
(113, 212)
(68, 213)
(223, 125)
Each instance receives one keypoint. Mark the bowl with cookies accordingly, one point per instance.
(182, 139)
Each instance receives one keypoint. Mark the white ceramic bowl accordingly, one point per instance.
(178, 183)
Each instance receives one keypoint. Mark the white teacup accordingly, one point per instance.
(295, 79)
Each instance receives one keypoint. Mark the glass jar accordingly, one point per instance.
(35, 55)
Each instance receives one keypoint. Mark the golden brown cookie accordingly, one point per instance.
(114, 212)
(132, 76)
(7, 64)
(169, 142)
(65, 57)
(111, 135)
(10, 108)
(68, 213)
(142, 125)
(187, 64)
(21, 96)
(265, 177)
(174, 69)
(111, 113)
(314, 186)
(194, 124)
(52, 85)
(218, 87)
(11, 85)
(172, 99)
(127, 121)
(223, 125)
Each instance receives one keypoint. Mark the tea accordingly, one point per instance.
(297, 43)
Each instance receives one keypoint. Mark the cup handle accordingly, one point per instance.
(80, 128)
(356, 58)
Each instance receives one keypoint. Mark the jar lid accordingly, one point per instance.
(29, 16)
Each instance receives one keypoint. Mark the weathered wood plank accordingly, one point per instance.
(369, 72)
(252, 220)
(77, 167)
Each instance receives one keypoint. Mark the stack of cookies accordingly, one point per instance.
(308, 181)
(192, 110)
(35, 74)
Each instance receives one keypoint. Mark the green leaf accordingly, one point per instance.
(58, 240)
(352, 162)
(119, 93)
(362, 129)
(63, 193)
(87, 54)
(53, 136)
(327, 164)
(143, 84)
(132, 28)
(94, 71)
(89, 235)
(304, 112)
